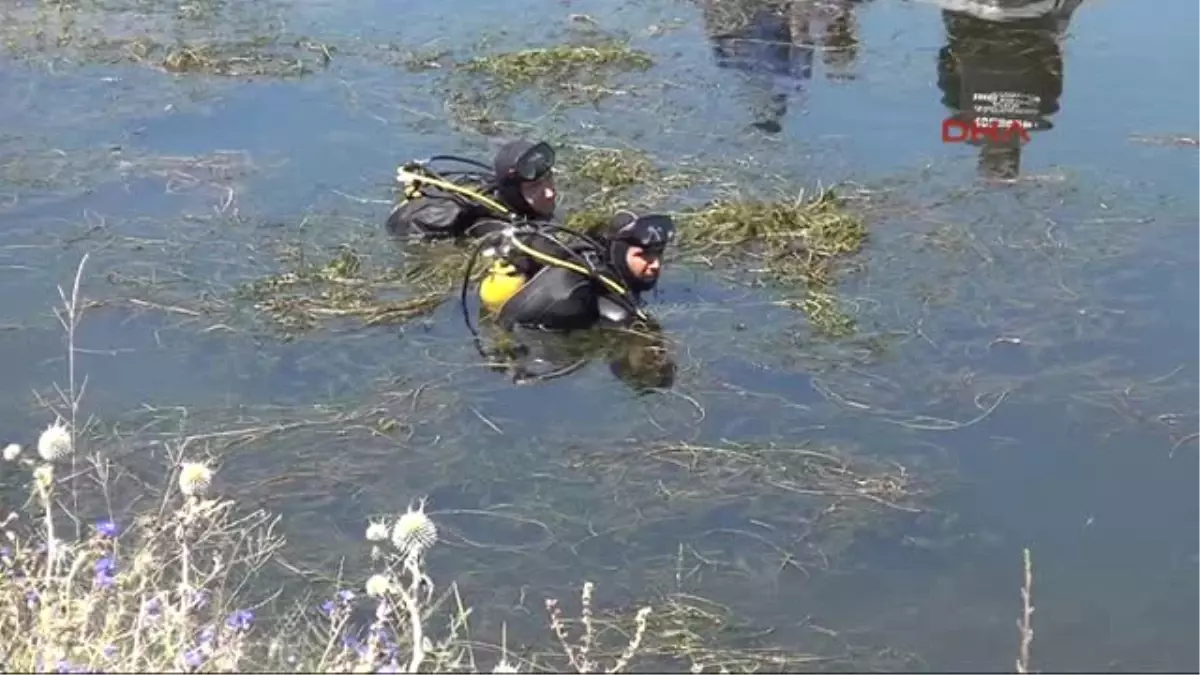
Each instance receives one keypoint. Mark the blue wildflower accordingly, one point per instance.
(107, 529)
(31, 598)
(152, 608)
(387, 643)
(110, 651)
(354, 644)
(207, 634)
(194, 658)
(105, 569)
(389, 667)
(240, 620)
(343, 598)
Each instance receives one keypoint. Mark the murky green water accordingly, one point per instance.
(1063, 305)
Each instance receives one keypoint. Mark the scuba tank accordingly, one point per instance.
(501, 282)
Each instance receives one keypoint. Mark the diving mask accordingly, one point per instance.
(535, 163)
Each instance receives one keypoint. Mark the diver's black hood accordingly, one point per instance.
(629, 229)
(508, 183)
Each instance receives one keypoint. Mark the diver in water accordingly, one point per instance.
(473, 202)
(544, 283)
(1003, 63)
(772, 42)
(541, 292)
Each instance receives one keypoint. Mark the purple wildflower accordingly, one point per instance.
(31, 598)
(240, 620)
(389, 667)
(194, 658)
(152, 608)
(387, 644)
(342, 598)
(107, 529)
(110, 651)
(354, 644)
(206, 635)
(6, 555)
(105, 569)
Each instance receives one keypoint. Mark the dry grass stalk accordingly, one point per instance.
(579, 656)
(1024, 624)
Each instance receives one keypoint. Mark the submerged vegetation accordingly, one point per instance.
(577, 72)
(346, 285)
(181, 41)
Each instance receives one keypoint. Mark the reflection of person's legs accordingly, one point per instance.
(839, 40)
(798, 15)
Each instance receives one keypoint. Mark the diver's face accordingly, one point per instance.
(541, 194)
(643, 264)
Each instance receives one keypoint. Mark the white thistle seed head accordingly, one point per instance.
(11, 452)
(414, 533)
(55, 442)
(378, 585)
(377, 530)
(194, 478)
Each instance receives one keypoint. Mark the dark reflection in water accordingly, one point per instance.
(1003, 63)
(774, 42)
(639, 357)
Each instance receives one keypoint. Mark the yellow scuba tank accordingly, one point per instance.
(501, 283)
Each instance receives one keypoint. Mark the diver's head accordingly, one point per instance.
(525, 178)
(636, 246)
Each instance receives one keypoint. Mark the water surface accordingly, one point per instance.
(1063, 302)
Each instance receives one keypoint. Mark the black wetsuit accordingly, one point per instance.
(555, 298)
(1003, 64)
(437, 213)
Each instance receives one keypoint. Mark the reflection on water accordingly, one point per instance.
(638, 357)
(1003, 64)
(774, 43)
